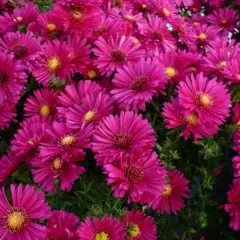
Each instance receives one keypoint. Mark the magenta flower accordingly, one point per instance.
(12, 77)
(18, 217)
(49, 25)
(93, 109)
(125, 133)
(56, 61)
(172, 198)
(47, 172)
(74, 94)
(8, 165)
(79, 20)
(138, 176)
(26, 141)
(62, 225)
(65, 141)
(25, 47)
(7, 112)
(233, 207)
(176, 117)
(208, 98)
(43, 103)
(139, 226)
(80, 52)
(174, 71)
(232, 71)
(224, 18)
(155, 34)
(106, 228)
(115, 52)
(236, 166)
(165, 8)
(134, 85)
(186, 3)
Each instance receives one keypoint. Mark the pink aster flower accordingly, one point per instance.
(233, 207)
(81, 20)
(176, 117)
(205, 33)
(134, 85)
(93, 109)
(115, 52)
(235, 119)
(8, 165)
(7, 23)
(74, 94)
(136, 176)
(186, 3)
(232, 71)
(125, 133)
(164, 8)
(139, 226)
(172, 198)
(47, 172)
(78, 3)
(236, 166)
(7, 112)
(62, 225)
(91, 71)
(108, 26)
(184, 29)
(209, 98)
(49, 25)
(25, 47)
(80, 51)
(156, 34)
(65, 141)
(105, 228)
(43, 103)
(56, 60)
(174, 71)
(12, 77)
(224, 18)
(197, 20)
(18, 218)
(26, 141)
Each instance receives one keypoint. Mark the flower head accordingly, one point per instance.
(115, 52)
(18, 217)
(134, 85)
(139, 176)
(139, 226)
(101, 229)
(175, 190)
(125, 133)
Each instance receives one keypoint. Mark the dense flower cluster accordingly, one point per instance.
(97, 65)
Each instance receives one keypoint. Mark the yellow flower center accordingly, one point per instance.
(238, 76)
(45, 110)
(194, 9)
(167, 191)
(222, 64)
(92, 74)
(133, 230)
(57, 164)
(192, 119)
(196, 24)
(171, 72)
(68, 141)
(144, 6)
(53, 64)
(30, 142)
(205, 100)
(130, 18)
(102, 236)
(51, 27)
(76, 14)
(88, 117)
(166, 12)
(19, 19)
(16, 221)
(224, 21)
(203, 36)
(136, 41)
